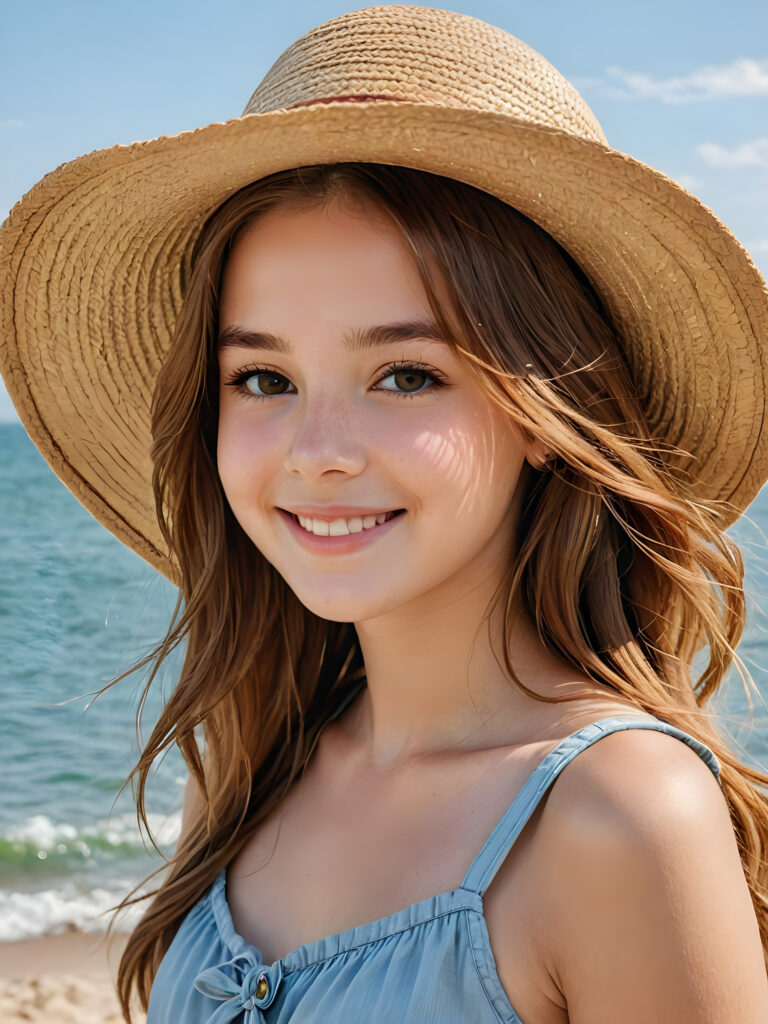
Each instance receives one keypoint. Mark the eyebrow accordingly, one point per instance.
(356, 340)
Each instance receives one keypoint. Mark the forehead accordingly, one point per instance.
(347, 264)
(300, 231)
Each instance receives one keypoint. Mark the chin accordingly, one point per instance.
(340, 610)
(349, 607)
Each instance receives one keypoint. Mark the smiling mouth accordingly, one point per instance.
(343, 527)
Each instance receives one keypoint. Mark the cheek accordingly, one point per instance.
(244, 455)
(474, 458)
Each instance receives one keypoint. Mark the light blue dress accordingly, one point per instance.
(430, 963)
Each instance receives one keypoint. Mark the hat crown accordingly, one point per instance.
(424, 55)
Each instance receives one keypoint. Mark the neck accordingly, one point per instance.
(436, 680)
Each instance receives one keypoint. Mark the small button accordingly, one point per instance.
(249, 1005)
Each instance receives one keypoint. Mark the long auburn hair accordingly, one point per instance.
(646, 577)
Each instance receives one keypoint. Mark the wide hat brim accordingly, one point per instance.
(95, 256)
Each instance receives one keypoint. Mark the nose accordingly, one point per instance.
(325, 440)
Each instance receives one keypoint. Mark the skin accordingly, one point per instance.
(624, 897)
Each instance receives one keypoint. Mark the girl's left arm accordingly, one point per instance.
(649, 914)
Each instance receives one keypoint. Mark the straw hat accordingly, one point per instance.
(93, 258)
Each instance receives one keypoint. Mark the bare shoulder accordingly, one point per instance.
(638, 780)
(648, 914)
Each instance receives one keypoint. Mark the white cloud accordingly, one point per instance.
(12, 122)
(748, 154)
(759, 246)
(742, 77)
(689, 182)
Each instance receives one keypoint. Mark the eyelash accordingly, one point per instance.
(238, 379)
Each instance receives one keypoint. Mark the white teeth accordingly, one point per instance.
(341, 527)
(337, 527)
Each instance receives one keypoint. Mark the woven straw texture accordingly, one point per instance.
(94, 256)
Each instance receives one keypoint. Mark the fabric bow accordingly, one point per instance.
(248, 990)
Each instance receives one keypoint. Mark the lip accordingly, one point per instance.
(343, 545)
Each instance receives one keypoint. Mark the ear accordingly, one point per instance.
(537, 453)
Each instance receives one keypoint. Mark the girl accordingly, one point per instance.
(441, 394)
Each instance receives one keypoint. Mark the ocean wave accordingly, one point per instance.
(63, 908)
(40, 847)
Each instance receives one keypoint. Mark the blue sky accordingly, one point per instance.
(680, 85)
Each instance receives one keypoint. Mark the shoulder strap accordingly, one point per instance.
(498, 845)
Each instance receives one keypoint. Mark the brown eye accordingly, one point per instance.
(266, 383)
(410, 380)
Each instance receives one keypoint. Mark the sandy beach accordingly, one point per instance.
(63, 978)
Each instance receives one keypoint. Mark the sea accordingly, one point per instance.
(77, 608)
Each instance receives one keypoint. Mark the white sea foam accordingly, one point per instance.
(68, 907)
(84, 872)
